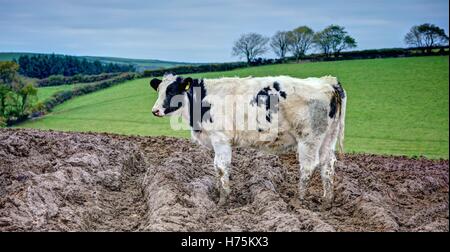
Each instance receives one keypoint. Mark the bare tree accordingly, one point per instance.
(300, 40)
(426, 35)
(333, 40)
(280, 43)
(250, 45)
(414, 37)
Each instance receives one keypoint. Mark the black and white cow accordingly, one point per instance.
(273, 113)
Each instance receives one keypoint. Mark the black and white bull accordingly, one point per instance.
(273, 113)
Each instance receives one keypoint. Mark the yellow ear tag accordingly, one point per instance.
(188, 86)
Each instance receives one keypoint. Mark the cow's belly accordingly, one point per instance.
(277, 142)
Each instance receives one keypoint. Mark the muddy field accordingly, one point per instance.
(100, 182)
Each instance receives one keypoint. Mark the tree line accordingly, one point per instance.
(331, 42)
(42, 66)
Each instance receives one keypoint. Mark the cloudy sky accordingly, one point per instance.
(198, 31)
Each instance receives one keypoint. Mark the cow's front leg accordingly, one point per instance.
(222, 163)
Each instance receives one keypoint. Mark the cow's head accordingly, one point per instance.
(170, 92)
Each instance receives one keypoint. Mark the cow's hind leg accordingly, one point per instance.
(327, 173)
(308, 155)
(327, 162)
(222, 163)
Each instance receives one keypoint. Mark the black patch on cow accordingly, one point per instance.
(267, 94)
(333, 107)
(196, 95)
(154, 83)
(276, 86)
(263, 98)
(336, 100)
(338, 88)
(173, 89)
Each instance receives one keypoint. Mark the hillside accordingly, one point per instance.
(10, 56)
(141, 64)
(395, 106)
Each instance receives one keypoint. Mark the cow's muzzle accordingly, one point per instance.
(157, 113)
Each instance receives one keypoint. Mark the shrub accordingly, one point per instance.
(56, 80)
(16, 94)
(364, 54)
(377, 53)
(2, 122)
(195, 69)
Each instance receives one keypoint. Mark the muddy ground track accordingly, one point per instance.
(89, 181)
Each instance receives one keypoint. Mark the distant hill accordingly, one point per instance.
(140, 64)
(7, 56)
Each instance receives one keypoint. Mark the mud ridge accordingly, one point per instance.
(56, 181)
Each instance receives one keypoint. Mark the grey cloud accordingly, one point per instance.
(197, 31)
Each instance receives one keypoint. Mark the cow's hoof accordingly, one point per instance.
(222, 201)
(302, 195)
(327, 205)
(223, 197)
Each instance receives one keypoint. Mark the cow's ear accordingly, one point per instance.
(154, 83)
(186, 84)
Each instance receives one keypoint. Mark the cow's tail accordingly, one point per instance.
(341, 127)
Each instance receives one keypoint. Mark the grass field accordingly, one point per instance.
(46, 92)
(395, 106)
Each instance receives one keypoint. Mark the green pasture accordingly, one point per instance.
(395, 106)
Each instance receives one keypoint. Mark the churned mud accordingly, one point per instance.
(101, 182)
